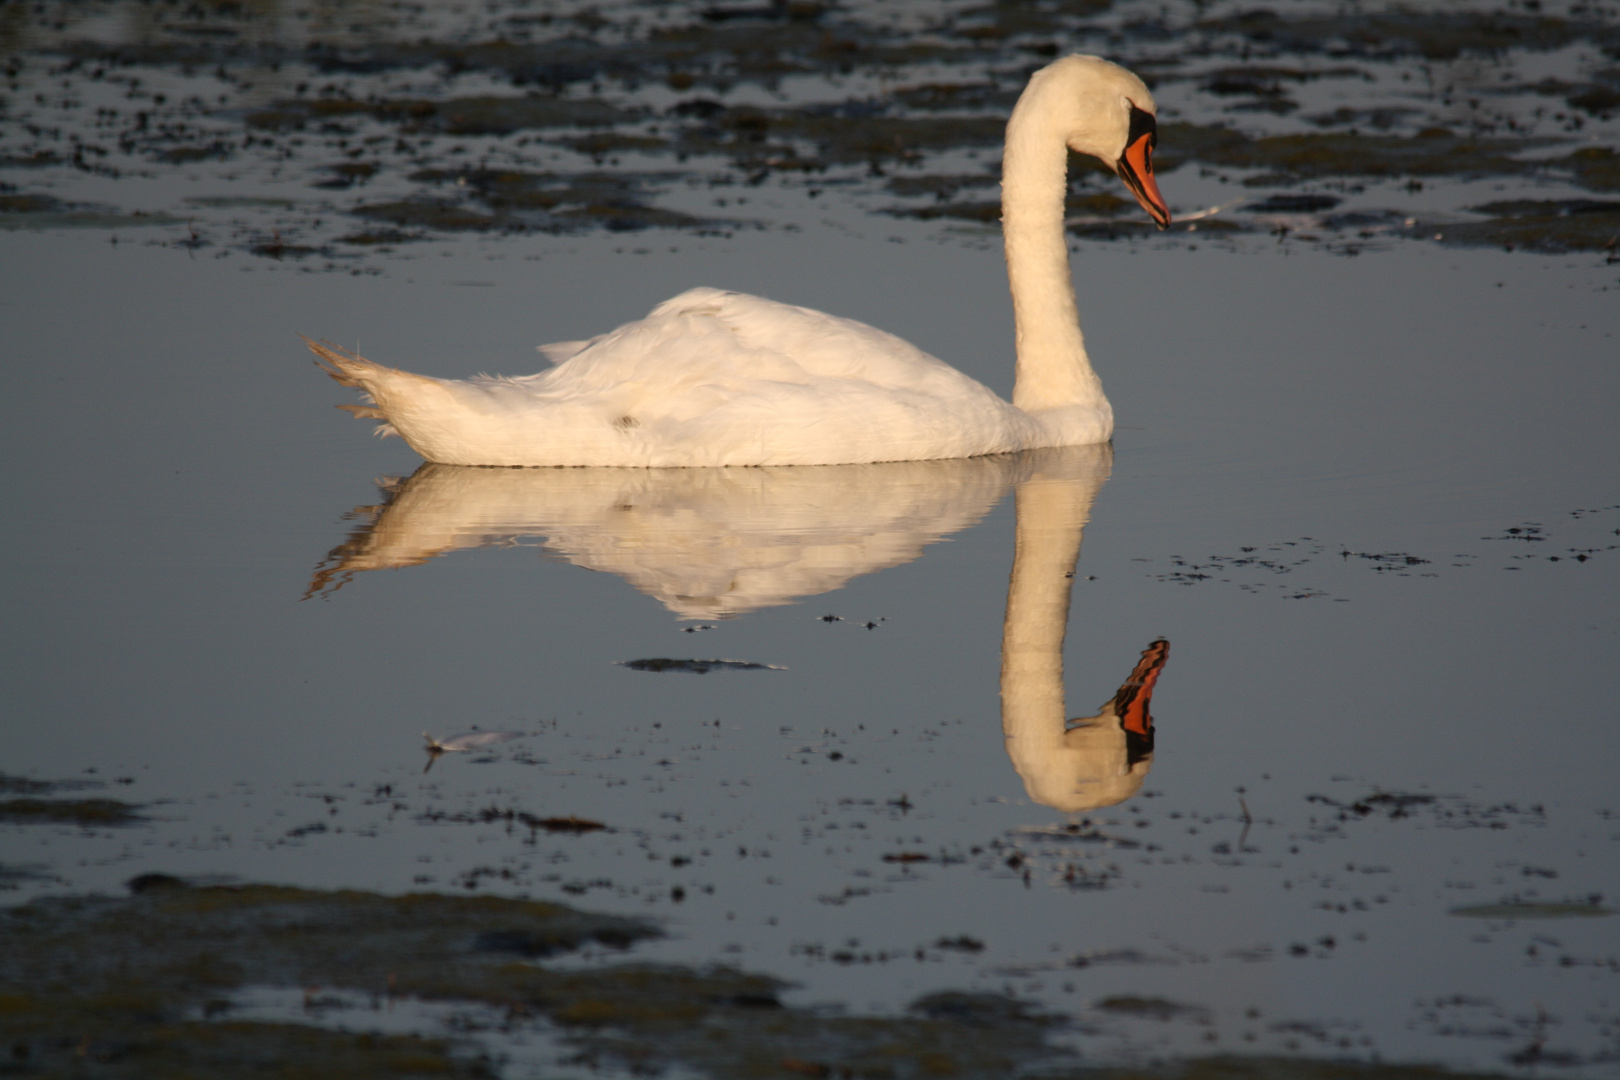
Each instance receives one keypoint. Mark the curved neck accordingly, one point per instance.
(1053, 370)
(1051, 518)
(1052, 508)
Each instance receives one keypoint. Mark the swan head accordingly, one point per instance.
(1107, 112)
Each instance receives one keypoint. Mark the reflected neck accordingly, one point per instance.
(1051, 521)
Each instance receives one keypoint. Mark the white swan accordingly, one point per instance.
(721, 378)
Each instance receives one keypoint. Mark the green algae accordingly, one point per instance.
(31, 211)
(190, 155)
(423, 213)
(25, 785)
(514, 199)
(1232, 1067)
(1434, 35)
(857, 133)
(142, 986)
(1544, 225)
(577, 78)
(1596, 168)
(1288, 159)
(1084, 206)
(115, 985)
(483, 115)
(112, 986)
(1533, 910)
(92, 1047)
(88, 813)
(1155, 1007)
(15, 875)
(379, 237)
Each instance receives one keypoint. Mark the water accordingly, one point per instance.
(184, 482)
(1381, 705)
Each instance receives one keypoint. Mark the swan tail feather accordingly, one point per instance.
(342, 366)
(363, 412)
(351, 369)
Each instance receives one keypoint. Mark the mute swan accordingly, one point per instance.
(721, 378)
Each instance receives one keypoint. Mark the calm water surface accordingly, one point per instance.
(1311, 498)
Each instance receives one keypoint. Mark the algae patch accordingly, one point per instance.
(30, 809)
(836, 96)
(142, 985)
(112, 987)
(89, 813)
(1533, 910)
(29, 211)
(1546, 225)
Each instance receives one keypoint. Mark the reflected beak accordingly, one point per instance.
(1135, 167)
(1134, 701)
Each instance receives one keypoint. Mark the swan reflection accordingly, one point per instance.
(716, 543)
(707, 543)
(1089, 762)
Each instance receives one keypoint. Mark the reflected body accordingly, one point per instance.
(716, 543)
(707, 543)
(715, 378)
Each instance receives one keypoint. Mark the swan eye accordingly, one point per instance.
(1143, 125)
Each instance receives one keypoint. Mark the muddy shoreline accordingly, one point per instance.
(395, 126)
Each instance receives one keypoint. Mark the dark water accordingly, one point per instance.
(1369, 501)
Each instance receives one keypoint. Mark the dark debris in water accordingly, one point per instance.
(1449, 811)
(571, 825)
(26, 785)
(1387, 804)
(695, 667)
(1592, 530)
(1155, 1008)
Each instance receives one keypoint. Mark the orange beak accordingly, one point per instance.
(1135, 166)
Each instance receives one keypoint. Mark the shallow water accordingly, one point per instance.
(1370, 502)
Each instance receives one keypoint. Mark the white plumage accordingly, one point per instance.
(722, 378)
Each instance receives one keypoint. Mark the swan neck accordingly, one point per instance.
(1053, 370)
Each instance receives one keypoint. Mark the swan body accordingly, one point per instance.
(722, 378)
